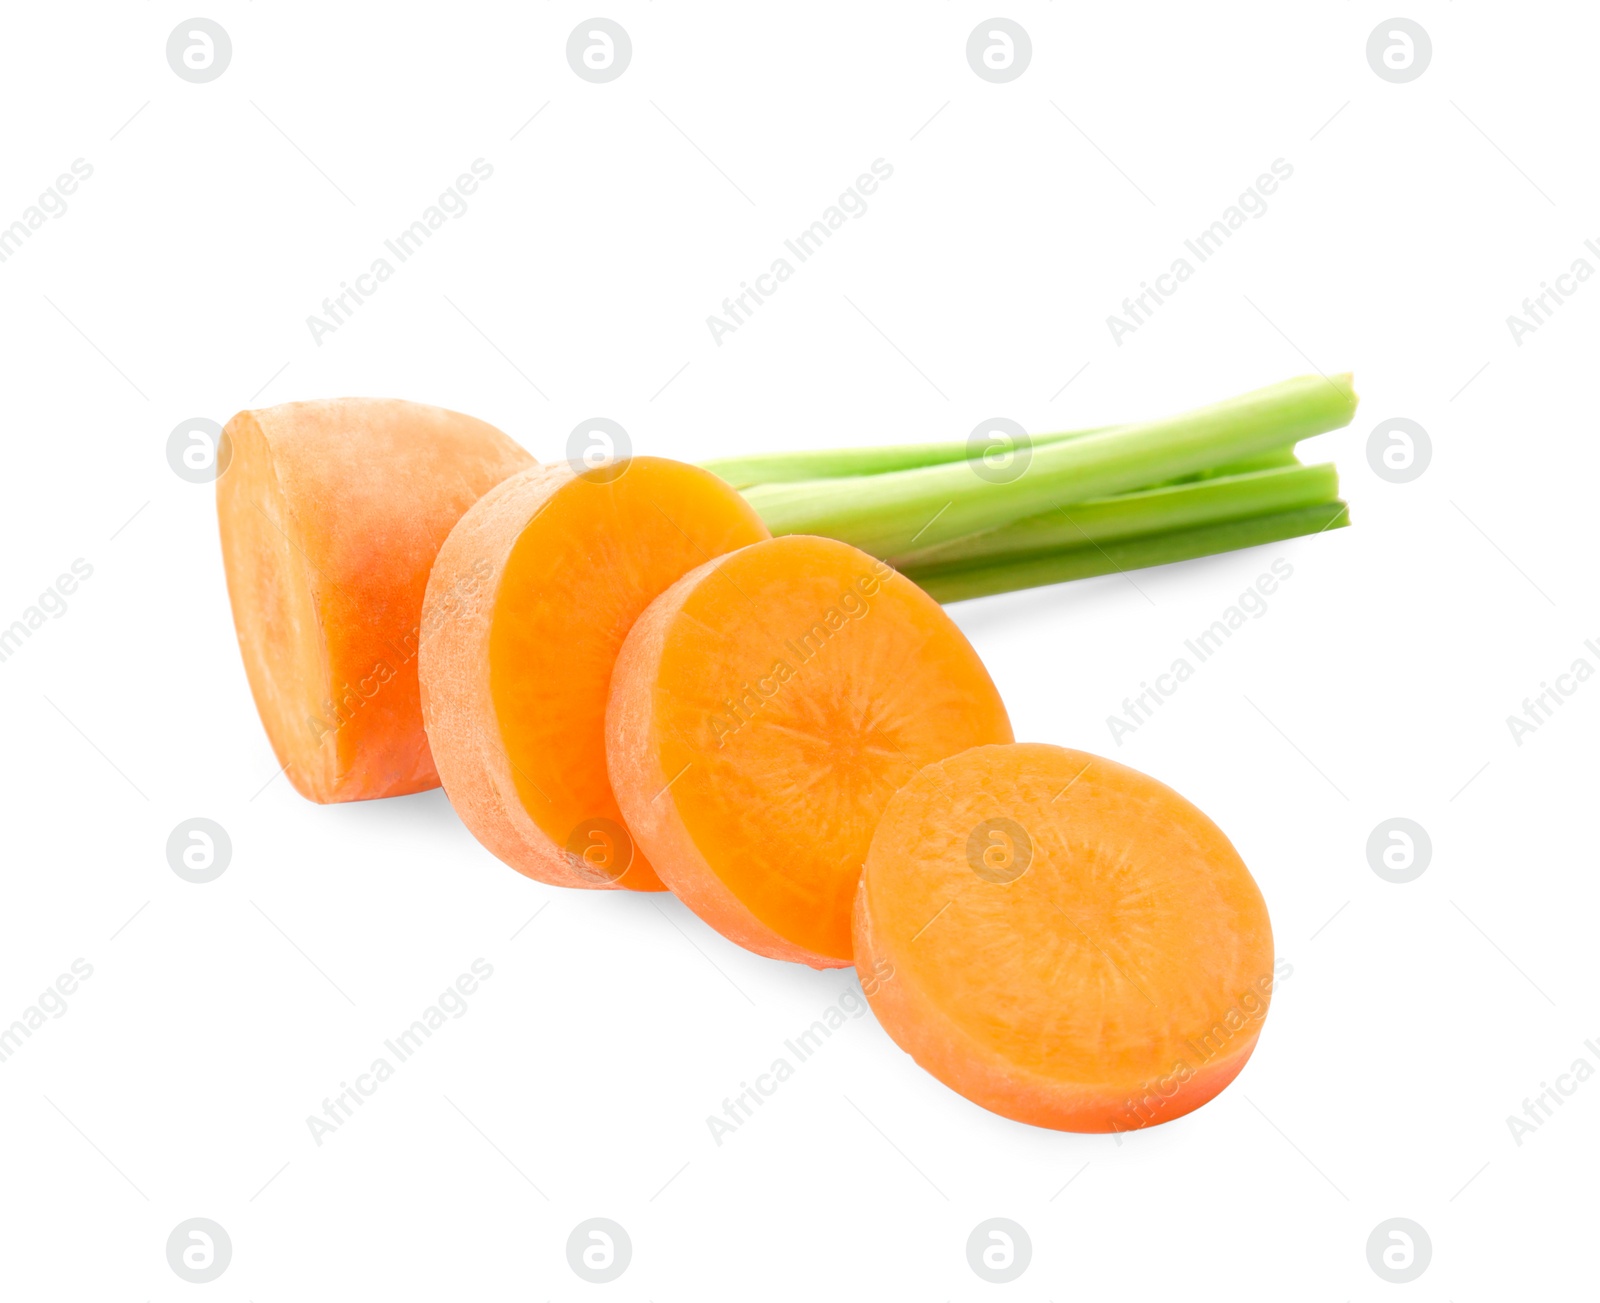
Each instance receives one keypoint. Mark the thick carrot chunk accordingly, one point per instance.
(763, 711)
(529, 601)
(1062, 939)
(331, 514)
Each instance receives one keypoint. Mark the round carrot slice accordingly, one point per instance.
(763, 710)
(1062, 939)
(528, 602)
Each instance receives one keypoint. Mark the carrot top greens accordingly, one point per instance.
(1071, 504)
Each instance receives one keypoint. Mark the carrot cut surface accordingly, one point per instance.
(1062, 939)
(763, 711)
(528, 604)
(331, 514)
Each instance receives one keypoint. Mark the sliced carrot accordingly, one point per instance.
(331, 513)
(763, 710)
(529, 601)
(1062, 939)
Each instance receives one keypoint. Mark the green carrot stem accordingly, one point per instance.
(892, 513)
(1130, 515)
(840, 463)
(837, 463)
(956, 583)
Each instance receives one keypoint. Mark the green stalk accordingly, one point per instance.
(889, 514)
(956, 583)
(1129, 515)
(837, 463)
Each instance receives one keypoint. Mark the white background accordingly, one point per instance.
(1378, 683)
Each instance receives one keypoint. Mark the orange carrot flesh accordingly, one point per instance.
(763, 711)
(330, 515)
(1063, 940)
(528, 604)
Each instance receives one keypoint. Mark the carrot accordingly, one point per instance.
(331, 513)
(529, 600)
(1064, 940)
(763, 710)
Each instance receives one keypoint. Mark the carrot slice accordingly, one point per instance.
(529, 601)
(331, 513)
(1062, 939)
(763, 710)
